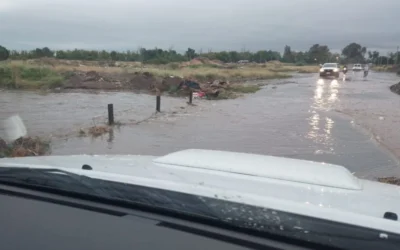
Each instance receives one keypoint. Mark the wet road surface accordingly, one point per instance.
(308, 118)
(59, 114)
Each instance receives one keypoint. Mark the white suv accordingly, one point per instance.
(357, 67)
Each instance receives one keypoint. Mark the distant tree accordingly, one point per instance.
(60, 54)
(287, 55)
(190, 53)
(382, 60)
(234, 56)
(373, 56)
(354, 53)
(4, 53)
(301, 57)
(37, 53)
(335, 57)
(369, 55)
(113, 55)
(223, 56)
(318, 54)
(47, 52)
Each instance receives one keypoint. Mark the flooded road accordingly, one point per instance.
(60, 114)
(308, 118)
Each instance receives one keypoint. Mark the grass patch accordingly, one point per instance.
(202, 72)
(29, 77)
(244, 88)
(293, 68)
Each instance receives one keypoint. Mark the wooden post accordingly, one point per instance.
(110, 114)
(191, 97)
(158, 103)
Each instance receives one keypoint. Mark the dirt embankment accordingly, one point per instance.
(395, 88)
(109, 81)
(141, 82)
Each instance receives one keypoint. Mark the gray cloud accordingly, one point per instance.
(206, 24)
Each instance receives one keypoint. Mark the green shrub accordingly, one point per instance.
(29, 77)
(35, 74)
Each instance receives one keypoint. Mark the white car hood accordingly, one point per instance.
(306, 188)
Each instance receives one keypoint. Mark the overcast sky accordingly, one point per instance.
(201, 24)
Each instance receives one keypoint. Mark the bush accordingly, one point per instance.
(4, 53)
(29, 77)
(35, 74)
(5, 75)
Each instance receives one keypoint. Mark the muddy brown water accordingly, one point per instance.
(305, 117)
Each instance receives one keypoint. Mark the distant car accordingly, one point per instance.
(357, 67)
(329, 69)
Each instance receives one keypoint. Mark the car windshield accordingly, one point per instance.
(129, 81)
(330, 65)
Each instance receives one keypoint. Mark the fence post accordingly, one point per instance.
(110, 114)
(191, 97)
(158, 103)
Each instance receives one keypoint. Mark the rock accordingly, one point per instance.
(395, 88)
(215, 83)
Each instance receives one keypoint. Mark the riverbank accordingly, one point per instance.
(55, 74)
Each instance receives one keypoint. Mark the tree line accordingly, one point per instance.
(352, 53)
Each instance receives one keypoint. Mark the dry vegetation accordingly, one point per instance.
(50, 73)
(97, 130)
(390, 180)
(24, 146)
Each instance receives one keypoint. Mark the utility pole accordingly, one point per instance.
(397, 55)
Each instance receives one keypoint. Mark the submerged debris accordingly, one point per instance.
(24, 146)
(97, 131)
